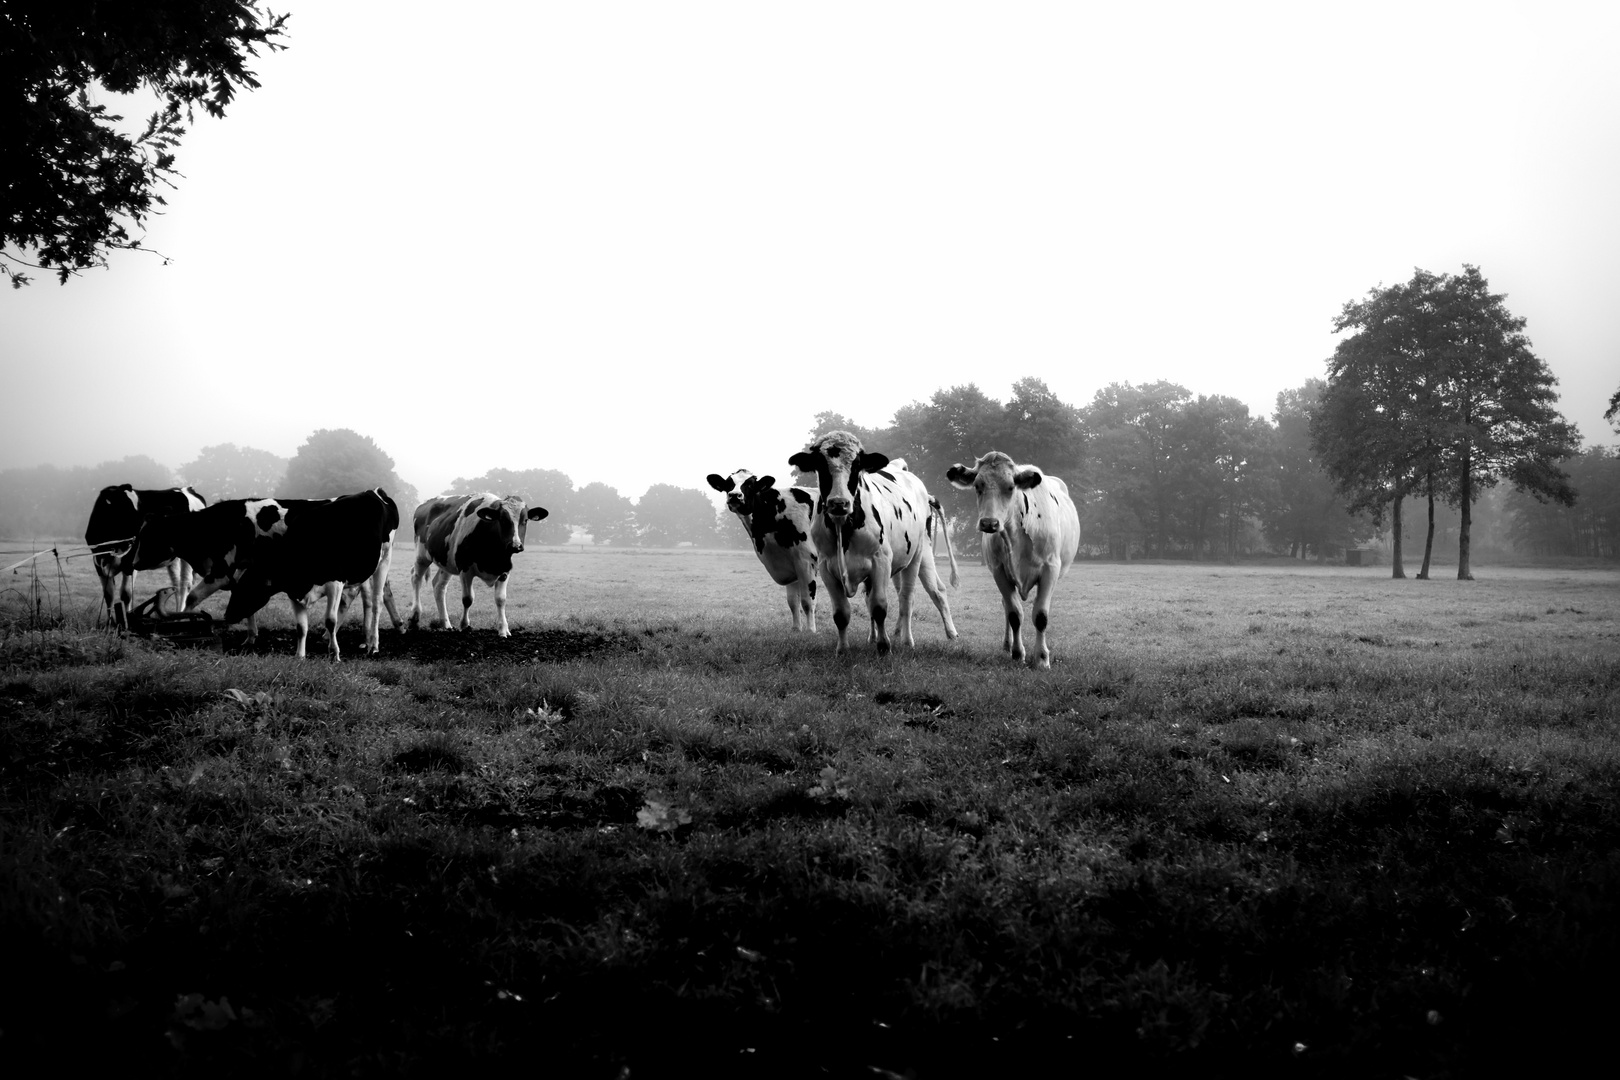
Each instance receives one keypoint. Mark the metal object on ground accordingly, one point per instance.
(181, 628)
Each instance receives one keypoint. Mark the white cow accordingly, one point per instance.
(1032, 533)
(874, 523)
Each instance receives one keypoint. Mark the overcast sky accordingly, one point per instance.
(642, 242)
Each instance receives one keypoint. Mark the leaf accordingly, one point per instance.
(660, 815)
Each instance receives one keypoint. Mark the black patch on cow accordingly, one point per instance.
(787, 534)
(802, 496)
(909, 508)
(471, 508)
(812, 588)
(268, 515)
(1040, 621)
(908, 543)
(1015, 619)
(886, 474)
(854, 523)
(1026, 502)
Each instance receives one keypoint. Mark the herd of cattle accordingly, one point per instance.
(871, 523)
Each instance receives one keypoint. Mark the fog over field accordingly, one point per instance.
(643, 242)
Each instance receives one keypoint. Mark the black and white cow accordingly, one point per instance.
(473, 536)
(115, 519)
(778, 523)
(259, 547)
(1031, 534)
(872, 524)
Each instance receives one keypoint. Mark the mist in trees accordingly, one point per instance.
(338, 461)
(228, 471)
(49, 502)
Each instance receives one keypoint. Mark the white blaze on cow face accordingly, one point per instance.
(1031, 534)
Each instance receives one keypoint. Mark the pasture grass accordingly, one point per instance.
(1274, 820)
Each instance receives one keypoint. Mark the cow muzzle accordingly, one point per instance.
(989, 525)
(837, 506)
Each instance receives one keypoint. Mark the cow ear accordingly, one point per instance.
(804, 460)
(871, 461)
(1027, 477)
(721, 483)
(538, 513)
(960, 476)
(764, 483)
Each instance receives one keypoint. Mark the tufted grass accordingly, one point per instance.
(1257, 820)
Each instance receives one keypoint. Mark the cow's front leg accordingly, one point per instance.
(877, 600)
(466, 598)
(841, 609)
(126, 593)
(1042, 656)
(109, 586)
(177, 587)
(500, 607)
(1013, 640)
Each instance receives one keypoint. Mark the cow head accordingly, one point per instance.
(744, 491)
(838, 460)
(510, 518)
(994, 478)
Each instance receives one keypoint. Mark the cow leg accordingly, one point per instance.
(466, 599)
(334, 606)
(1042, 656)
(935, 588)
(108, 573)
(300, 607)
(500, 606)
(905, 585)
(1013, 641)
(840, 605)
(187, 578)
(418, 572)
(388, 602)
(376, 596)
(794, 601)
(441, 581)
(877, 600)
(126, 593)
(807, 582)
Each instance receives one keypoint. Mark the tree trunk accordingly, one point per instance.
(1399, 571)
(1428, 542)
(1464, 571)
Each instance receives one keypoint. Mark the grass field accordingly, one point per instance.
(1257, 820)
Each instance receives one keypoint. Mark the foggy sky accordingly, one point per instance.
(644, 242)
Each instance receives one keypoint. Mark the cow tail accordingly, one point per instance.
(939, 511)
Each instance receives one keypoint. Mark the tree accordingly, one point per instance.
(668, 515)
(1135, 465)
(1308, 513)
(1613, 411)
(77, 188)
(1497, 405)
(604, 513)
(550, 488)
(228, 471)
(1041, 429)
(47, 501)
(1590, 528)
(337, 461)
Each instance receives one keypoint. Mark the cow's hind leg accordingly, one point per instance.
(441, 581)
(466, 599)
(905, 586)
(334, 605)
(795, 601)
(109, 586)
(300, 608)
(375, 596)
(126, 593)
(935, 588)
(419, 573)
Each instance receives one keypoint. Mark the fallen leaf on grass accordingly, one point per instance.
(660, 815)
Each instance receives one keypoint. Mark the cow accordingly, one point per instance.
(779, 526)
(256, 548)
(1031, 534)
(115, 519)
(474, 536)
(872, 525)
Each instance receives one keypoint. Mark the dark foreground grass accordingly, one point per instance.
(616, 846)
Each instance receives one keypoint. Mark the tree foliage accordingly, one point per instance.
(76, 186)
(228, 471)
(338, 461)
(668, 515)
(601, 511)
(1308, 513)
(1589, 528)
